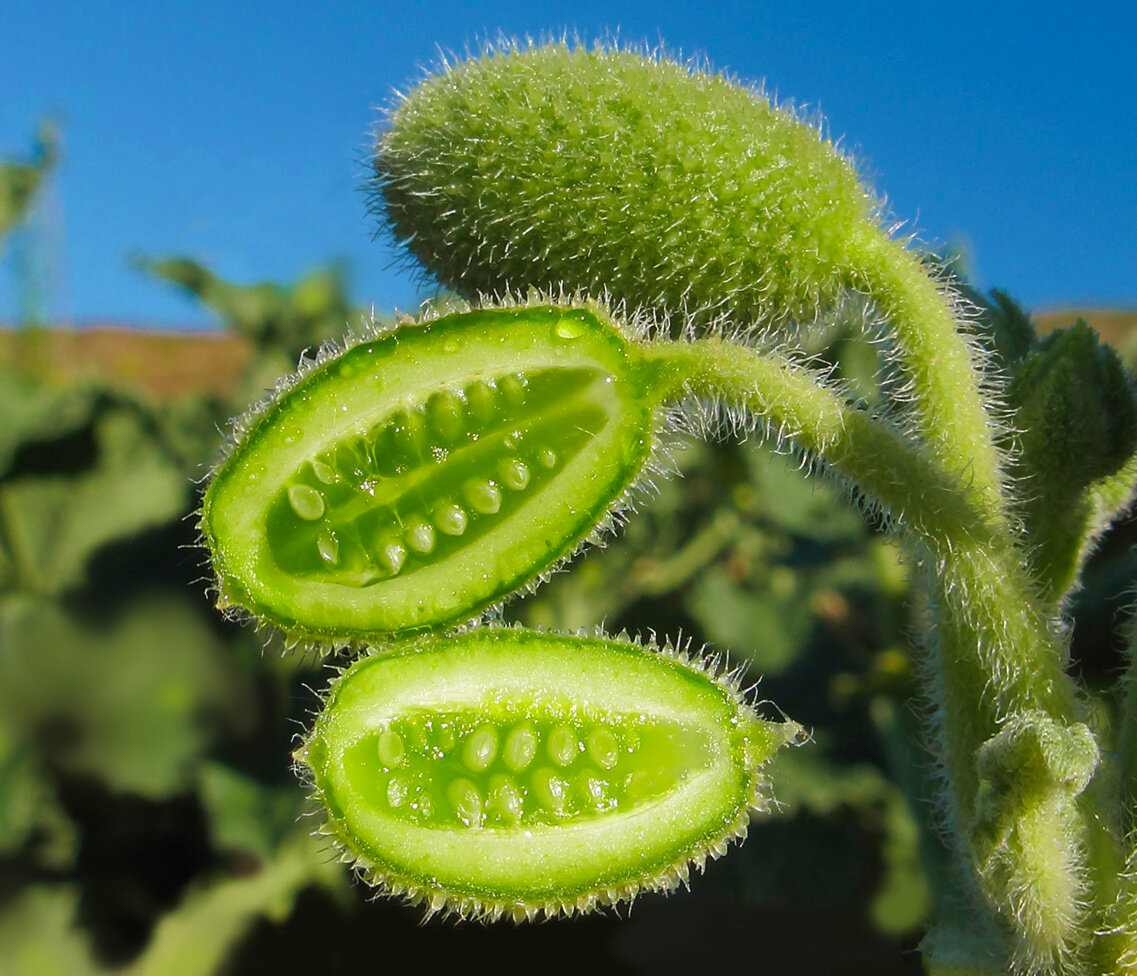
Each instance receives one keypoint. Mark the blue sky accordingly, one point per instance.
(236, 133)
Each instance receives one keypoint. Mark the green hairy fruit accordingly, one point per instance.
(511, 772)
(557, 166)
(425, 474)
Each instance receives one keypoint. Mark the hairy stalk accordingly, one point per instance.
(898, 478)
(997, 656)
(944, 381)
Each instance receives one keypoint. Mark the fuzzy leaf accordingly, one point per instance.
(1076, 414)
(296, 317)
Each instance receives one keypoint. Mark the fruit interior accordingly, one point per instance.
(491, 768)
(432, 476)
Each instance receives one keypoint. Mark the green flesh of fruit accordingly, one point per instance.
(420, 477)
(504, 771)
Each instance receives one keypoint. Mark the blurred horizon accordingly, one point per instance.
(238, 136)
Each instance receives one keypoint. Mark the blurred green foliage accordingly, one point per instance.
(149, 819)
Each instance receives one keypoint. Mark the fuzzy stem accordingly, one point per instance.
(1127, 744)
(945, 384)
(893, 473)
(997, 655)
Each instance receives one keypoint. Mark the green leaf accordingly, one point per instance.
(38, 936)
(52, 524)
(134, 705)
(245, 815)
(196, 938)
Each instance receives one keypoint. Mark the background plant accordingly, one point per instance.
(167, 835)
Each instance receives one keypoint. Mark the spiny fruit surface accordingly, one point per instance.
(510, 772)
(663, 185)
(421, 476)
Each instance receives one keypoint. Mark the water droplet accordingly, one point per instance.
(570, 328)
(421, 537)
(514, 474)
(603, 748)
(396, 792)
(450, 519)
(520, 747)
(595, 790)
(306, 502)
(481, 748)
(328, 547)
(563, 745)
(390, 748)
(483, 496)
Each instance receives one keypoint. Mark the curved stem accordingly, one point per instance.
(946, 386)
(891, 471)
(996, 654)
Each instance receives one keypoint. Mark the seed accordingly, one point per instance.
(306, 501)
(328, 547)
(421, 537)
(391, 750)
(392, 555)
(603, 748)
(514, 474)
(450, 519)
(481, 748)
(563, 745)
(549, 790)
(520, 747)
(483, 496)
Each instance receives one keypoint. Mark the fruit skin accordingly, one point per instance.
(476, 550)
(607, 170)
(562, 864)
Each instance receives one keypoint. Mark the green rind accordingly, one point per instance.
(521, 871)
(341, 396)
